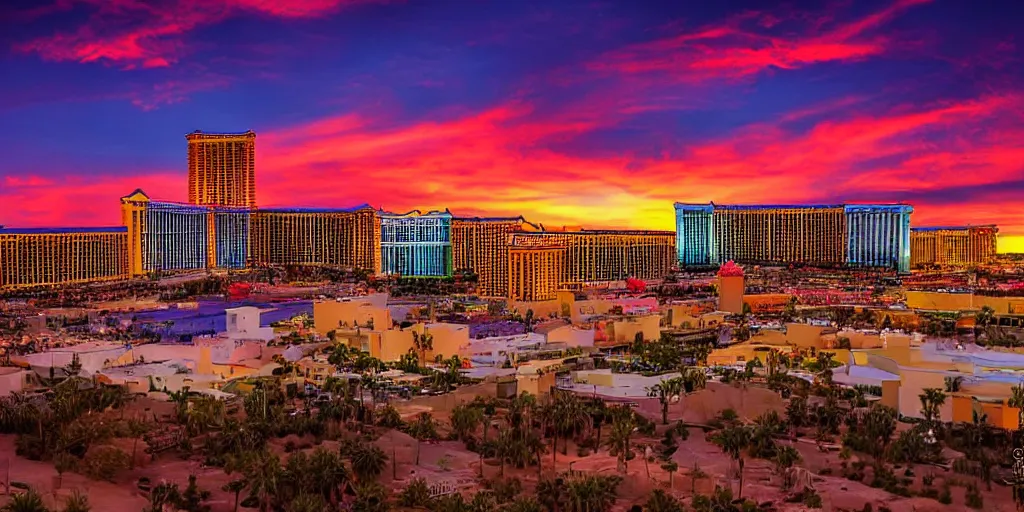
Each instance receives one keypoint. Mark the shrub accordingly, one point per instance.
(946, 497)
(103, 463)
(973, 498)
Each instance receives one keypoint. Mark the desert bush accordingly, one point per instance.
(103, 462)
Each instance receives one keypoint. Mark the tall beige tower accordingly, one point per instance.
(222, 169)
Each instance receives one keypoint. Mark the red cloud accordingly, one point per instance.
(731, 51)
(136, 34)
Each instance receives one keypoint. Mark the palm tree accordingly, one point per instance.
(551, 494)
(1017, 400)
(263, 474)
(423, 429)
(77, 502)
(664, 391)
(305, 502)
(592, 493)
(465, 419)
(983, 318)
(693, 379)
(235, 487)
(370, 497)
(137, 429)
(952, 384)
(29, 501)
(931, 403)
(368, 462)
(423, 343)
(328, 474)
(696, 473)
(660, 501)
(569, 417)
(619, 439)
(785, 458)
(734, 440)
(671, 467)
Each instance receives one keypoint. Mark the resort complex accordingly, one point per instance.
(217, 355)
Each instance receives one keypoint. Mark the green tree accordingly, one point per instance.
(931, 403)
(734, 440)
(664, 392)
(671, 467)
(423, 429)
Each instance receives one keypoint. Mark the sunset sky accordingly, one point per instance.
(594, 113)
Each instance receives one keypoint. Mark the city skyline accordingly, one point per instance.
(600, 115)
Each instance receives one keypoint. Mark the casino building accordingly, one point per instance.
(825, 235)
(340, 237)
(222, 169)
(166, 236)
(593, 257)
(952, 246)
(32, 257)
(481, 245)
(415, 244)
(535, 272)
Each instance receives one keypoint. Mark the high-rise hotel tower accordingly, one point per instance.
(222, 169)
(827, 235)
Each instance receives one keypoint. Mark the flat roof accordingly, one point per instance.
(712, 206)
(304, 209)
(952, 228)
(61, 231)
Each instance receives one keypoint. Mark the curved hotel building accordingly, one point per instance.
(827, 235)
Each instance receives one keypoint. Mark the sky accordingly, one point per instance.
(593, 113)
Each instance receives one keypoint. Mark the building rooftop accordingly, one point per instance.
(302, 209)
(952, 228)
(712, 206)
(61, 231)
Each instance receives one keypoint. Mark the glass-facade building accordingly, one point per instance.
(416, 244)
(826, 235)
(166, 236)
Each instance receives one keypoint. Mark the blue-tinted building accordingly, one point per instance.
(166, 236)
(416, 244)
(878, 236)
(820, 235)
(694, 240)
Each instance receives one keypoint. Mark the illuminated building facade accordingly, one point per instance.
(825, 235)
(222, 169)
(602, 256)
(61, 256)
(416, 244)
(878, 236)
(347, 238)
(165, 236)
(535, 272)
(952, 246)
(480, 245)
